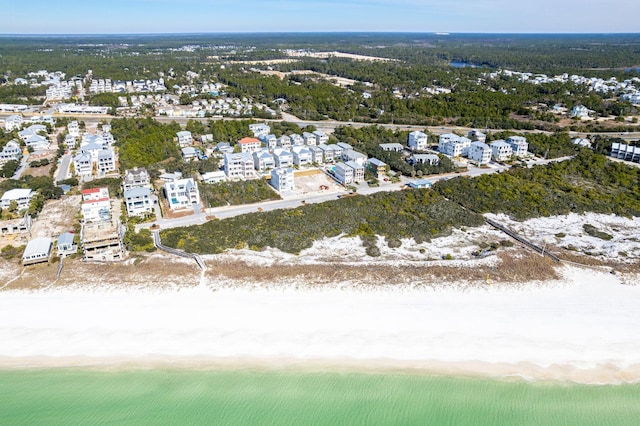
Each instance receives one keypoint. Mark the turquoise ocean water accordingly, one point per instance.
(161, 397)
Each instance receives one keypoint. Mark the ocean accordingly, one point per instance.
(172, 397)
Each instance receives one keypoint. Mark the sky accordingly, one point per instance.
(214, 16)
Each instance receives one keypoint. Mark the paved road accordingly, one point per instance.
(21, 168)
(63, 169)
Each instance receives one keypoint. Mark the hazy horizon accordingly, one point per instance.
(132, 17)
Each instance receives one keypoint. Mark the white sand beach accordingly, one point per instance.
(583, 328)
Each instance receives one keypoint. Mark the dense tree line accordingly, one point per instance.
(143, 141)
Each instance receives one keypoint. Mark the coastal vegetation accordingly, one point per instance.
(419, 214)
(587, 183)
(236, 193)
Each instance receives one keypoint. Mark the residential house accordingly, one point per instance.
(419, 184)
(21, 196)
(296, 139)
(379, 168)
(70, 141)
(214, 177)
(283, 158)
(181, 193)
(327, 153)
(263, 161)
(501, 150)
(321, 137)
(477, 136)
(625, 152)
(416, 159)
(343, 173)
(282, 179)
(184, 138)
(316, 154)
(170, 177)
(284, 142)
(13, 122)
(580, 112)
(345, 146)
(249, 145)
(138, 201)
(73, 128)
(66, 244)
(309, 139)
(136, 177)
(106, 162)
(393, 147)
(224, 147)
(302, 156)
(270, 141)
(33, 130)
(102, 241)
(83, 165)
(480, 152)
(96, 205)
(10, 152)
(189, 153)
(519, 145)
(352, 155)
(337, 151)
(239, 166)
(358, 171)
(94, 194)
(37, 143)
(417, 141)
(38, 250)
(453, 145)
(259, 129)
(16, 226)
(582, 142)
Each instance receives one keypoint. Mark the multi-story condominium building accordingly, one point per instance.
(417, 141)
(282, 179)
(501, 150)
(181, 193)
(480, 152)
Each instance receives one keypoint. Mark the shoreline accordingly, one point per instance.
(581, 328)
(599, 375)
